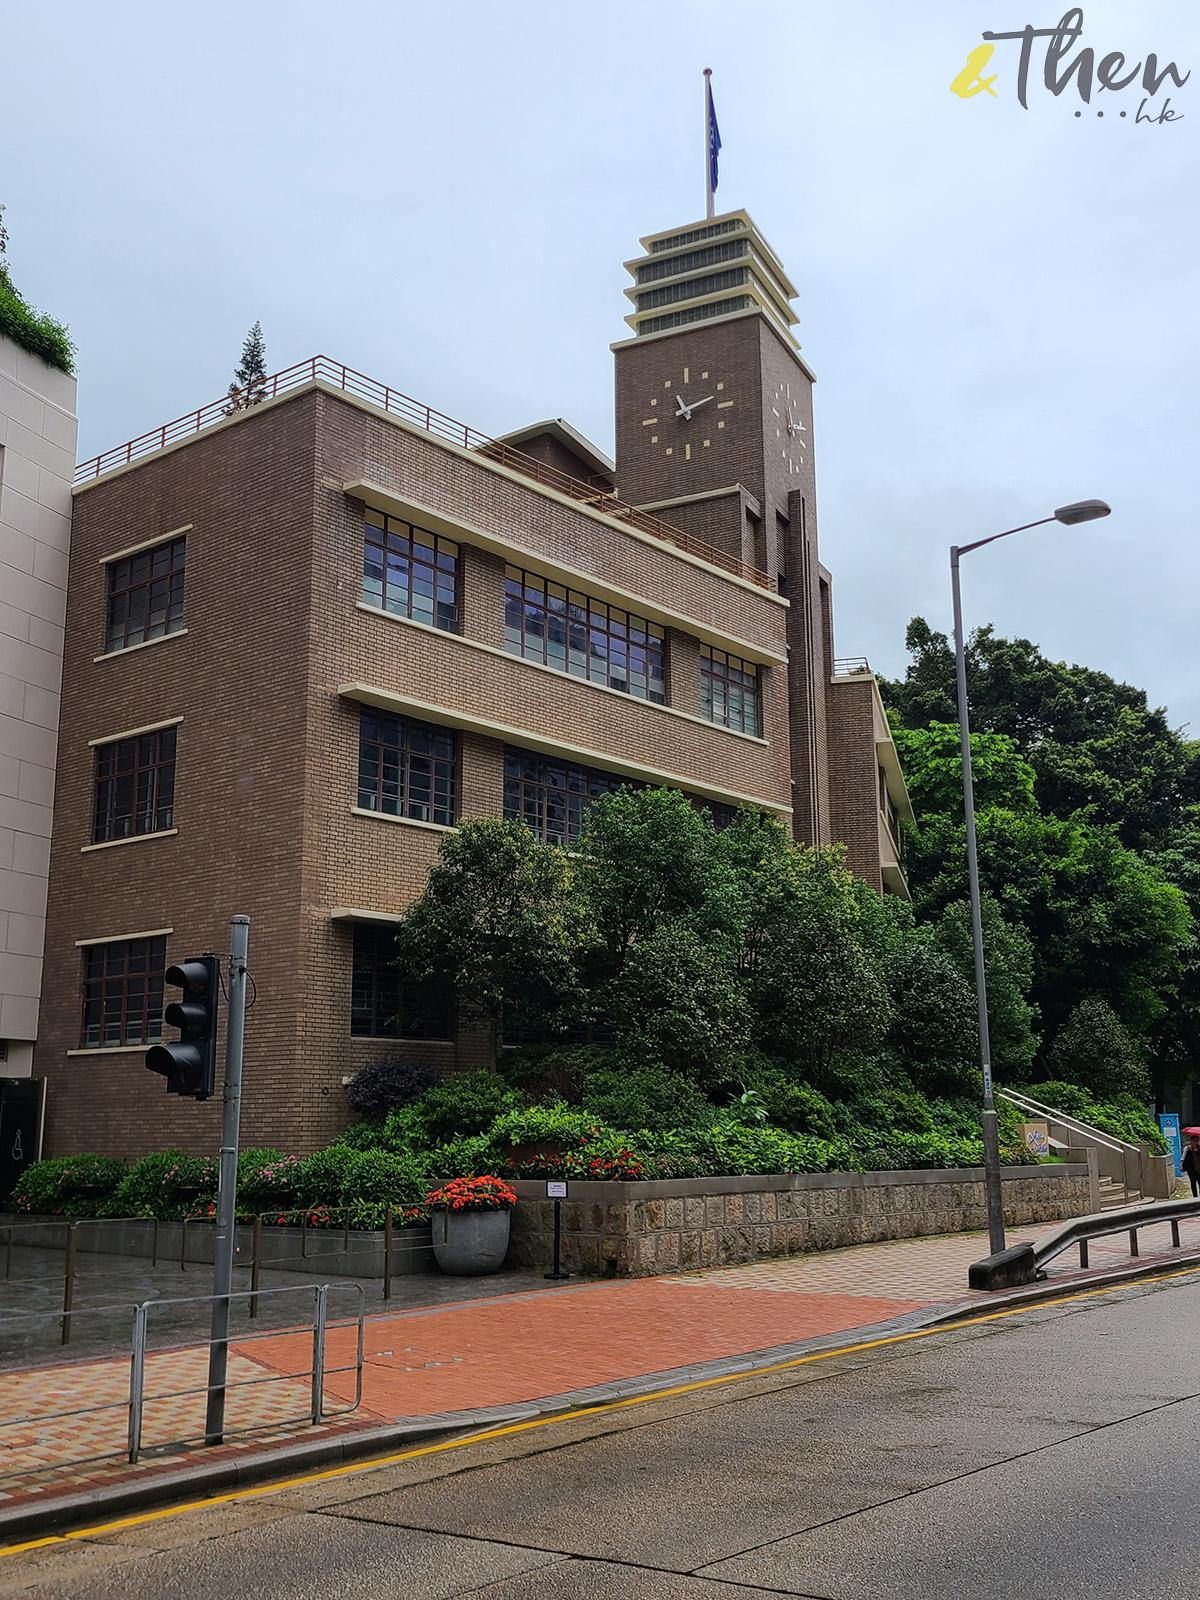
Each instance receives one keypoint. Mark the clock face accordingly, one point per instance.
(785, 422)
(687, 415)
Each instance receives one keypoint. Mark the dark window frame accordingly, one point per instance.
(138, 588)
(381, 1006)
(121, 993)
(389, 769)
(542, 791)
(572, 632)
(430, 565)
(724, 700)
(133, 789)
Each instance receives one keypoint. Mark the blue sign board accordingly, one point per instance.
(1169, 1123)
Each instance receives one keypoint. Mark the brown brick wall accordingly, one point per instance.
(239, 679)
(854, 776)
(268, 751)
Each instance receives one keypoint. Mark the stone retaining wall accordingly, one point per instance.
(629, 1230)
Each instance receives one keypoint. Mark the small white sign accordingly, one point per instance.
(556, 1189)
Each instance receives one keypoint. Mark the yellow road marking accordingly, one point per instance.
(375, 1462)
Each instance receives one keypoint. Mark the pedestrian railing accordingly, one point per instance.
(77, 1234)
(135, 1401)
(1123, 1159)
(1025, 1263)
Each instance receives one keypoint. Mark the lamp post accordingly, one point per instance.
(1080, 511)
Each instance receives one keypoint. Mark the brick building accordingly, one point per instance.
(305, 639)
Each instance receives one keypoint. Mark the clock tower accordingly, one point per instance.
(714, 435)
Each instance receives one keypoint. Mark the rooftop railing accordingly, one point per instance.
(322, 369)
(851, 667)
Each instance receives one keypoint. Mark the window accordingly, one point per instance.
(145, 595)
(123, 992)
(545, 622)
(728, 690)
(135, 786)
(552, 796)
(406, 768)
(410, 572)
(381, 1007)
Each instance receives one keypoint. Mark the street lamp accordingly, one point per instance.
(1080, 511)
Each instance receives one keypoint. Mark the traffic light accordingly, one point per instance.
(190, 1067)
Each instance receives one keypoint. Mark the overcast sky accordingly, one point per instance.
(999, 304)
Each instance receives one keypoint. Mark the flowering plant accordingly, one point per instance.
(473, 1194)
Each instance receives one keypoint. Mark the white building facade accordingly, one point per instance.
(37, 461)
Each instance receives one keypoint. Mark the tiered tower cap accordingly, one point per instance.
(719, 268)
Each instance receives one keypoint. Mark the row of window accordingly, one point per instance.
(406, 768)
(417, 575)
(123, 984)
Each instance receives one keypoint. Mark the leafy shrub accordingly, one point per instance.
(794, 1107)
(464, 1156)
(883, 1111)
(389, 1083)
(167, 1185)
(468, 1103)
(267, 1181)
(38, 334)
(646, 1097)
(68, 1186)
(362, 1183)
(554, 1071)
(553, 1123)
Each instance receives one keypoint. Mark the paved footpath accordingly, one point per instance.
(503, 1351)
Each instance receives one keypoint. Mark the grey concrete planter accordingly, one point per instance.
(470, 1243)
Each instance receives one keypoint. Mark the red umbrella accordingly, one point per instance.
(1190, 1131)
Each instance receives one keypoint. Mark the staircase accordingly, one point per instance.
(1113, 1194)
(1128, 1172)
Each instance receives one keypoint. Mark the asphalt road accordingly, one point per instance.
(1053, 1451)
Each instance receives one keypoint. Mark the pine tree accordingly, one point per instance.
(249, 386)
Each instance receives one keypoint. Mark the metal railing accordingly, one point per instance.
(1025, 1263)
(851, 667)
(72, 1248)
(1122, 1149)
(320, 369)
(136, 1400)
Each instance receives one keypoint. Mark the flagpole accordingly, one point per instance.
(708, 188)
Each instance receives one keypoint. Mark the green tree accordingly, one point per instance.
(1095, 744)
(1008, 972)
(249, 386)
(818, 993)
(647, 858)
(1094, 1050)
(499, 920)
(932, 762)
(1101, 920)
(934, 1034)
(677, 1002)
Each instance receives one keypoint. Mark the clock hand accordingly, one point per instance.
(686, 408)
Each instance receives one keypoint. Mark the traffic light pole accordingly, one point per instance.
(218, 1354)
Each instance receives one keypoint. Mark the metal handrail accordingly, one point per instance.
(320, 369)
(1025, 1263)
(1109, 1141)
(136, 1399)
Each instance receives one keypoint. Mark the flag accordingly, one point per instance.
(714, 137)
